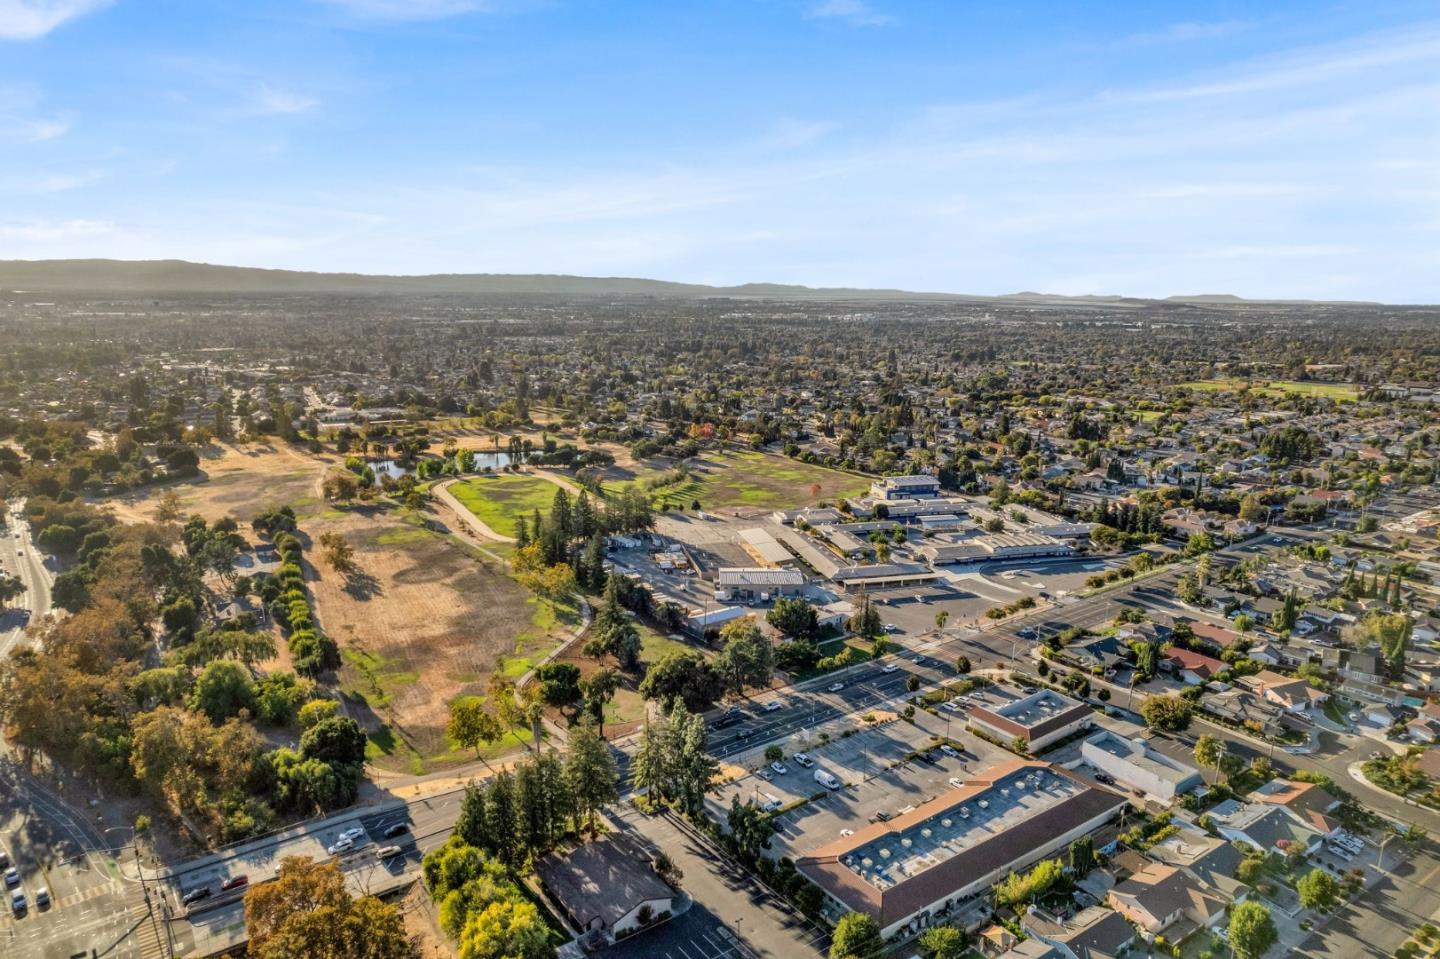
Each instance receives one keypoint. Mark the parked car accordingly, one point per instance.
(4, 859)
(881, 816)
(950, 750)
(773, 705)
(956, 781)
(764, 773)
(12, 877)
(388, 852)
(950, 706)
(889, 668)
(340, 845)
(398, 829)
(234, 882)
(354, 832)
(42, 897)
(195, 895)
(17, 901)
(835, 687)
(803, 760)
(780, 768)
(769, 803)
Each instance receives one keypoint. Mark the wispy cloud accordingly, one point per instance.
(55, 182)
(1188, 31)
(857, 13)
(1310, 69)
(408, 9)
(272, 100)
(38, 130)
(32, 19)
(53, 231)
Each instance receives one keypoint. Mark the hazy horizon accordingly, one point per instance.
(1267, 151)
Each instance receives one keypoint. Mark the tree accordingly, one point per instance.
(222, 690)
(1252, 931)
(750, 828)
(1016, 889)
(338, 553)
(596, 690)
(962, 665)
(1208, 751)
(795, 618)
(944, 942)
(590, 771)
(1082, 856)
(652, 768)
(693, 767)
(506, 929)
(471, 725)
(941, 618)
(559, 684)
(306, 911)
(1168, 713)
(1188, 589)
(683, 674)
(865, 621)
(10, 587)
(338, 740)
(856, 936)
(168, 508)
(747, 658)
(1318, 890)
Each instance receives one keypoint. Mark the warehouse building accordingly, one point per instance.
(924, 865)
(1135, 765)
(763, 548)
(758, 582)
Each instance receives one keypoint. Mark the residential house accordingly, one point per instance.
(1159, 896)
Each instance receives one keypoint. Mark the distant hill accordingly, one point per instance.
(181, 276)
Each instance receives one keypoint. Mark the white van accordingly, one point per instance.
(827, 780)
(769, 802)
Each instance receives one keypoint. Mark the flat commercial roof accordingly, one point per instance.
(759, 576)
(763, 547)
(943, 846)
(1141, 756)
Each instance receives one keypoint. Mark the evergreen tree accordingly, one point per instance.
(590, 771)
(501, 819)
(473, 824)
(651, 768)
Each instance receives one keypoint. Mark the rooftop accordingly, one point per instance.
(1002, 817)
(1138, 753)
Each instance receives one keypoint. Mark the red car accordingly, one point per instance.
(234, 882)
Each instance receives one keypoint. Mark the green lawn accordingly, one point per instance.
(497, 500)
(1341, 392)
(747, 478)
(537, 640)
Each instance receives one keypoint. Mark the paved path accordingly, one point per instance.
(479, 526)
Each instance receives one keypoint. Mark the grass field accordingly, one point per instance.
(747, 478)
(497, 500)
(421, 621)
(1341, 392)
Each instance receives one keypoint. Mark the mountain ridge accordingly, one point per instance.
(184, 276)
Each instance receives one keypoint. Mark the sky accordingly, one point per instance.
(1276, 149)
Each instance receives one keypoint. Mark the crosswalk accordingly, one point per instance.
(149, 926)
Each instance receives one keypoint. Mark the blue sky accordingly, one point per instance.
(1265, 149)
